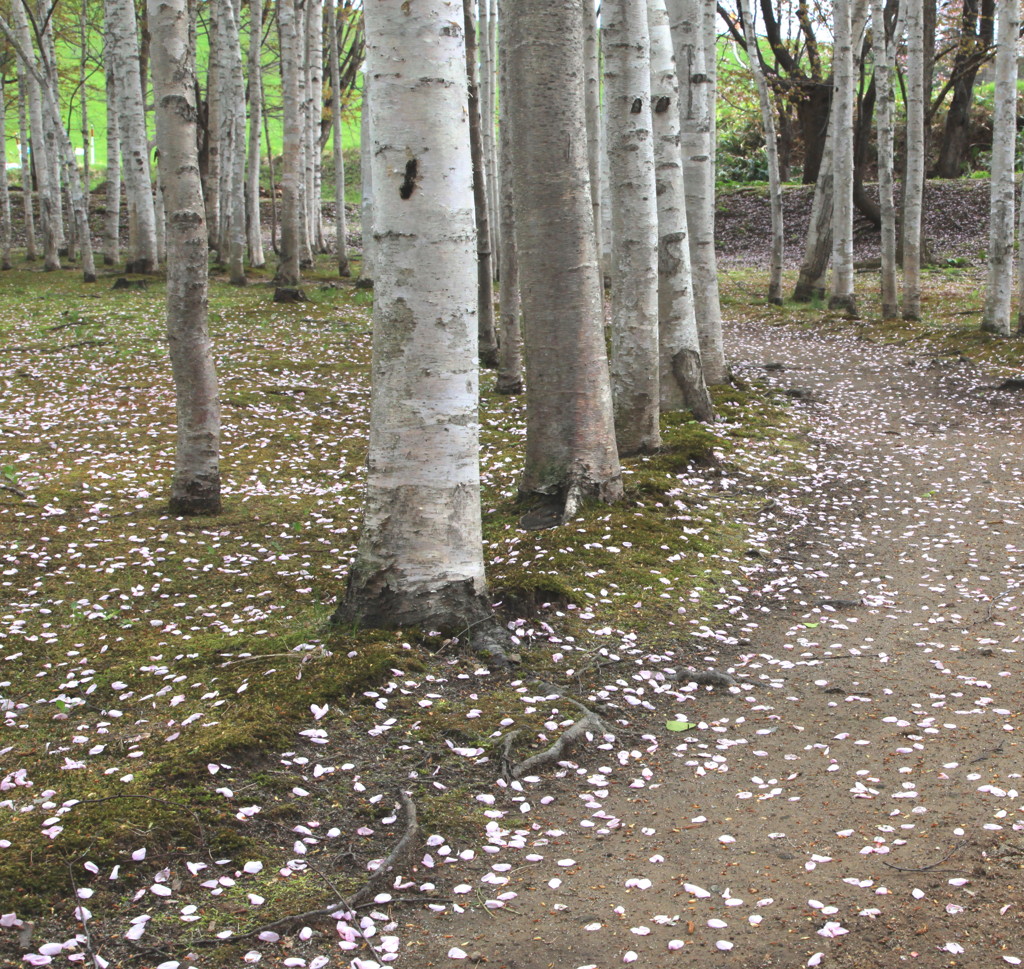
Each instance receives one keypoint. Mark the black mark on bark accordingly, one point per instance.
(637, 106)
(409, 182)
(661, 105)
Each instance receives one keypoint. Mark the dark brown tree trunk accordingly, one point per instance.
(812, 112)
(867, 206)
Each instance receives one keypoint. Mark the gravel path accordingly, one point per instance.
(856, 799)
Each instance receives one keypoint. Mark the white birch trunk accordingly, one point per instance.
(487, 39)
(842, 297)
(27, 193)
(233, 145)
(592, 91)
(634, 335)
(681, 382)
(884, 48)
(291, 157)
(253, 223)
(314, 25)
(340, 222)
(771, 151)
(112, 219)
(195, 489)
(688, 35)
(5, 197)
(570, 436)
(510, 355)
(214, 132)
(914, 181)
(999, 290)
(420, 555)
(122, 34)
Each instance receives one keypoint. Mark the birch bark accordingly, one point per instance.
(681, 376)
(592, 92)
(314, 73)
(634, 335)
(253, 221)
(420, 553)
(195, 488)
(112, 220)
(999, 290)
(884, 48)
(232, 145)
(5, 196)
(340, 226)
(367, 263)
(570, 438)
(914, 181)
(842, 297)
(288, 267)
(27, 193)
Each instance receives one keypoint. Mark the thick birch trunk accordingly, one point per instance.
(677, 322)
(810, 283)
(771, 151)
(884, 48)
(842, 298)
(253, 225)
(634, 335)
(999, 291)
(420, 555)
(112, 220)
(340, 222)
(195, 489)
(487, 341)
(121, 33)
(570, 438)
(688, 36)
(914, 181)
(288, 267)
(510, 351)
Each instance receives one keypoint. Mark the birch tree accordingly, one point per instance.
(592, 92)
(195, 488)
(313, 108)
(121, 33)
(253, 223)
(420, 554)
(634, 336)
(5, 196)
(570, 438)
(913, 189)
(999, 288)
(112, 219)
(288, 277)
(231, 236)
(810, 283)
(340, 226)
(842, 297)
(367, 264)
(681, 378)
(696, 110)
(25, 158)
(884, 49)
(771, 151)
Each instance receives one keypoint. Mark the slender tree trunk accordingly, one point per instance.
(885, 55)
(288, 267)
(487, 338)
(54, 155)
(27, 192)
(121, 34)
(914, 182)
(772, 152)
(83, 27)
(592, 90)
(842, 298)
(112, 219)
(49, 193)
(233, 145)
(818, 243)
(420, 555)
(340, 226)
(681, 381)
(5, 197)
(634, 343)
(688, 34)
(488, 74)
(253, 224)
(570, 438)
(314, 108)
(367, 265)
(998, 293)
(195, 489)
(510, 356)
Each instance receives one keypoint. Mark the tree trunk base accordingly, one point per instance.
(289, 294)
(371, 602)
(509, 385)
(123, 282)
(686, 367)
(364, 282)
(847, 305)
(86, 277)
(200, 496)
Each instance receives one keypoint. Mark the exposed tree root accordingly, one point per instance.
(591, 723)
(707, 678)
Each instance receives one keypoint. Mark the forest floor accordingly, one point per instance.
(189, 753)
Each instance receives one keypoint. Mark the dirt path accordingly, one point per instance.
(856, 801)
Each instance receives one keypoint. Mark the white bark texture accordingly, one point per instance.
(634, 335)
(367, 265)
(420, 554)
(27, 193)
(592, 91)
(884, 48)
(232, 153)
(253, 222)
(510, 355)
(112, 220)
(999, 291)
(570, 438)
(314, 25)
(843, 97)
(688, 31)
(771, 152)
(5, 198)
(214, 130)
(818, 242)
(195, 489)
(488, 76)
(340, 222)
(914, 181)
(291, 155)
(122, 35)
(678, 342)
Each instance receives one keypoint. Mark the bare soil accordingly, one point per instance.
(856, 799)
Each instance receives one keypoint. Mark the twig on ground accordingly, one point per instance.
(13, 489)
(569, 738)
(707, 678)
(941, 861)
